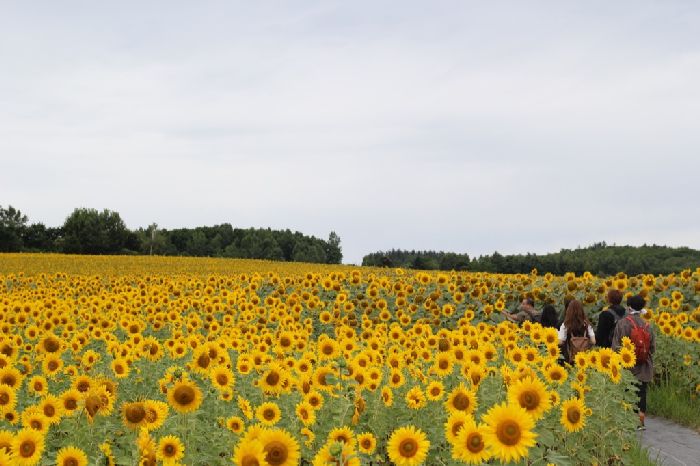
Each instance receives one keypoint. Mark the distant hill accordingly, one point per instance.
(599, 258)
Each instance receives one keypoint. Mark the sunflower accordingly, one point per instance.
(396, 378)
(52, 408)
(509, 431)
(444, 365)
(455, 422)
(531, 394)
(120, 367)
(5, 458)
(573, 414)
(557, 374)
(221, 378)
(606, 357)
(71, 456)
(268, 413)
(156, 414)
(407, 446)
(82, 383)
(415, 398)
(27, 447)
(328, 349)
(346, 456)
(309, 435)
(133, 414)
(49, 344)
(275, 379)
(387, 397)
(170, 449)
(38, 385)
(469, 446)
(32, 418)
(305, 413)
(52, 365)
(249, 453)
(367, 443)
(6, 440)
(70, 399)
(628, 357)
(323, 378)
(245, 407)
(475, 374)
(185, 396)
(98, 401)
(435, 390)
(235, 424)
(342, 434)
(615, 373)
(8, 398)
(461, 399)
(280, 447)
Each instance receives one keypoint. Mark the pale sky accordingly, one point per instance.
(458, 126)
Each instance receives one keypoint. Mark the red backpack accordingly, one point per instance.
(641, 337)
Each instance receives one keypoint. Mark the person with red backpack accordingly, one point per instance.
(640, 332)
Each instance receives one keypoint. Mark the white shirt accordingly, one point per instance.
(562, 333)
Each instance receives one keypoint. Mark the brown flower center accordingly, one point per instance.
(461, 402)
(184, 395)
(27, 449)
(272, 378)
(529, 400)
(573, 415)
(276, 453)
(408, 448)
(475, 443)
(249, 460)
(135, 413)
(203, 360)
(508, 432)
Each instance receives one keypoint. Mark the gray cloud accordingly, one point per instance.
(459, 126)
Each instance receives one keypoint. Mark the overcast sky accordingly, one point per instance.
(462, 126)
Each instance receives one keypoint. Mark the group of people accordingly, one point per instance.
(614, 323)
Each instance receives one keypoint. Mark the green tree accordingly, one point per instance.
(12, 225)
(87, 231)
(334, 253)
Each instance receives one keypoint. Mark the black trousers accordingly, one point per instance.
(642, 391)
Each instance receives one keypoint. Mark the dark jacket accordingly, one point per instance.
(606, 325)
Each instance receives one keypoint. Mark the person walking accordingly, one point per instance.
(640, 332)
(608, 319)
(576, 333)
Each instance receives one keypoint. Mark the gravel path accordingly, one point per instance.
(670, 443)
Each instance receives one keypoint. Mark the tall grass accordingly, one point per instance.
(670, 400)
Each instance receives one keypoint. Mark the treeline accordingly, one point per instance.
(424, 260)
(88, 231)
(600, 259)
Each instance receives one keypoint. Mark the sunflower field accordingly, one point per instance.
(149, 360)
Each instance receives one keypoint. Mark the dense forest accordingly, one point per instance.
(88, 231)
(600, 259)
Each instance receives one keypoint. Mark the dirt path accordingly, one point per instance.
(670, 443)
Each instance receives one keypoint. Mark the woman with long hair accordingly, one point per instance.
(576, 333)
